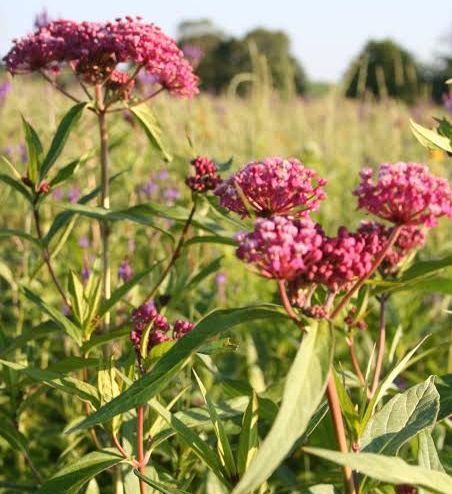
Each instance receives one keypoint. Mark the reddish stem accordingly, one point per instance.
(339, 430)
(355, 362)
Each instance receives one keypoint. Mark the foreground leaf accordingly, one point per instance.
(401, 419)
(71, 479)
(444, 387)
(388, 469)
(170, 364)
(303, 391)
(158, 485)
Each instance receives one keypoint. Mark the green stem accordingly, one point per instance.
(381, 347)
(104, 199)
(175, 255)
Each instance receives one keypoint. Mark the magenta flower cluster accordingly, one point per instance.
(282, 248)
(94, 49)
(147, 315)
(273, 186)
(405, 194)
(295, 250)
(206, 175)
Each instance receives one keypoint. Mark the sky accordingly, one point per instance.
(325, 34)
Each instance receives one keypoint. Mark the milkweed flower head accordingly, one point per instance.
(282, 248)
(273, 186)
(147, 316)
(409, 239)
(405, 194)
(206, 175)
(94, 50)
(144, 316)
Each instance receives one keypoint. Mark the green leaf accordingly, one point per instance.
(199, 446)
(16, 185)
(388, 469)
(430, 138)
(249, 437)
(164, 489)
(206, 271)
(444, 387)
(71, 329)
(35, 333)
(170, 364)
(424, 268)
(401, 419)
(70, 479)
(321, 489)
(387, 382)
(303, 391)
(13, 437)
(34, 150)
(6, 233)
(223, 444)
(150, 125)
(210, 239)
(67, 384)
(427, 454)
(65, 173)
(60, 138)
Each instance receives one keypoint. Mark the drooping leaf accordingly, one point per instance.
(303, 391)
(401, 419)
(170, 364)
(164, 489)
(61, 135)
(427, 454)
(388, 469)
(16, 185)
(71, 329)
(70, 479)
(151, 126)
(430, 138)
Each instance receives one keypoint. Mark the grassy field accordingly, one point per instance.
(335, 136)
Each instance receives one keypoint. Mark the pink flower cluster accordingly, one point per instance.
(409, 239)
(273, 186)
(206, 175)
(405, 194)
(147, 315)
(94, 49)
(282, 248)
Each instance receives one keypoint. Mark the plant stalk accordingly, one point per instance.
(175, 255)
(339, 430)
(104, 199)
(46, 257)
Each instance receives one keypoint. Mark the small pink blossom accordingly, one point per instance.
(206, 175)
(144, 316)
(282, 248)
(273, 186)
(405, 194)
(181, 328)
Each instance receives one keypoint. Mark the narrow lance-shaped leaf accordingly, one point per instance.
(60, 138)
(303, 391)
(199, 446)
(34, 150)
(389, 469)
(170, 364)
(401, 419)
(223, 444)
(249, 438)
(444, 387)
(150, 125)
(70, 479)
(427, 455)
(164, 489)
(16, 185)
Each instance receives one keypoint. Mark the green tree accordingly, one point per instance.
(384, 69)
